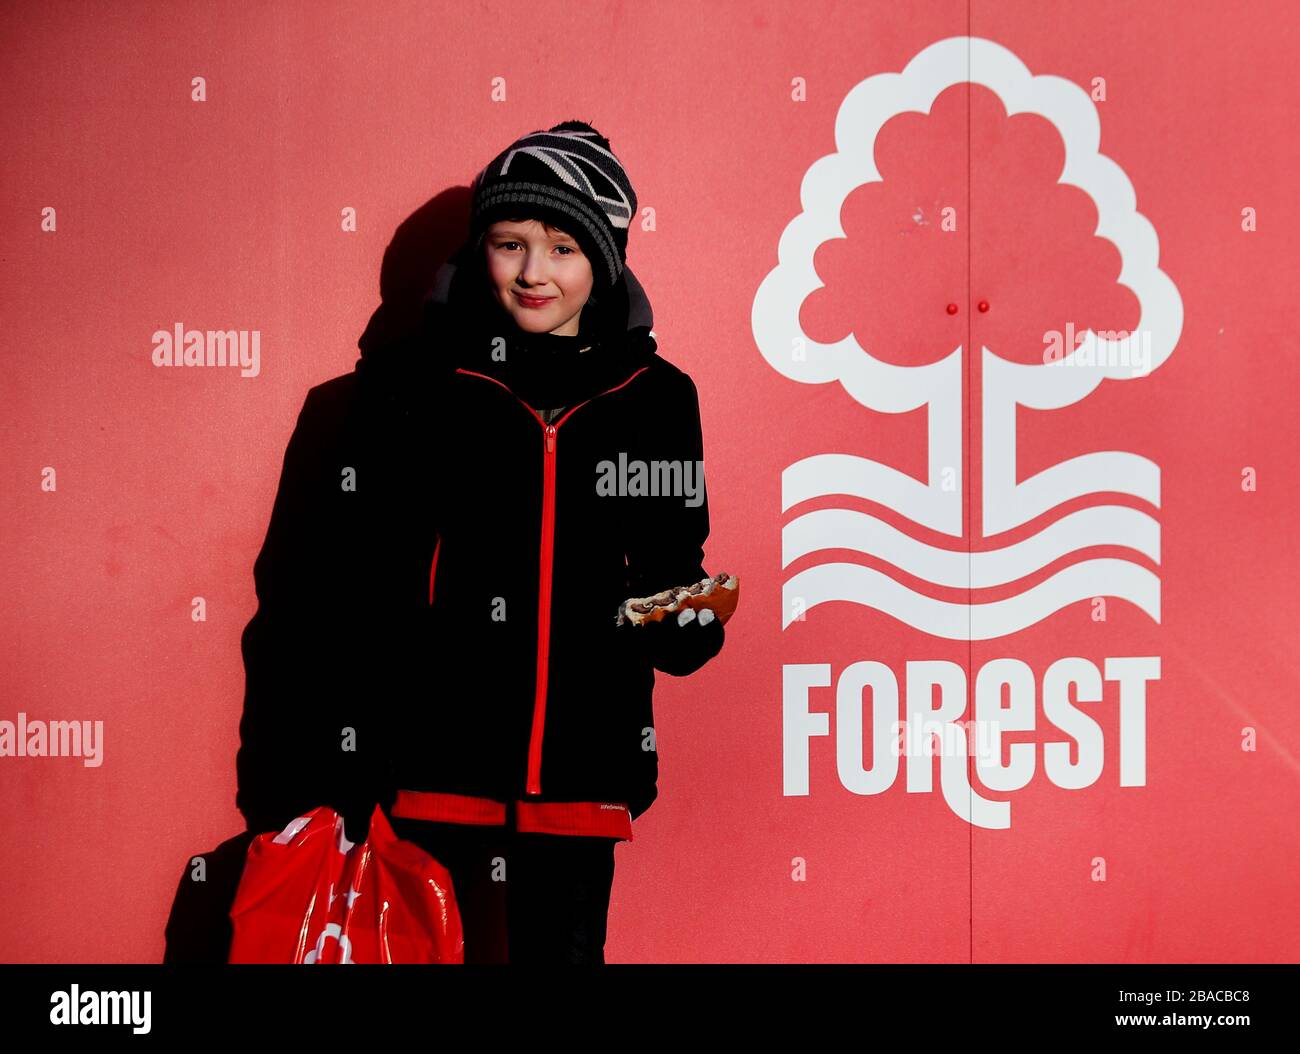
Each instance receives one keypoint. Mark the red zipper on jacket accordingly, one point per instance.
(433, 567)
(545, 559)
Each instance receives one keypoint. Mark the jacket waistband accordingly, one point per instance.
(590, 818)
(448, 808)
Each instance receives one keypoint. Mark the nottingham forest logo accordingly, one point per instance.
(1031, 372)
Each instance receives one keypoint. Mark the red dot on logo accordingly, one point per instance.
(952, 309)
(983, 305)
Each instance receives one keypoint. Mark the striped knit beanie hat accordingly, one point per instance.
(568, 176)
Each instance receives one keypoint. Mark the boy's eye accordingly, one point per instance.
(568, 249)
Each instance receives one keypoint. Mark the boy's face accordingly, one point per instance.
(541, 278)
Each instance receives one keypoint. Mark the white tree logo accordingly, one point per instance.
(891, 388)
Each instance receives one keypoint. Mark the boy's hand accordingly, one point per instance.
(681, 641)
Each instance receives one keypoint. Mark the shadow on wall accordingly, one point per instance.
(419, 246)
(199, 928)
(296, 686)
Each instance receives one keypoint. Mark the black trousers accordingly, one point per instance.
(523, 897)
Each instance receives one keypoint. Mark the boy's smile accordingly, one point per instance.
(539, 274)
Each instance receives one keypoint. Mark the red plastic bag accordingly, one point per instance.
(308, 895)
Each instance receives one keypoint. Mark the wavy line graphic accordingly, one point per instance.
(998, 618)
(867, 534)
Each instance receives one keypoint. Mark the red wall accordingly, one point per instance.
(225, 214)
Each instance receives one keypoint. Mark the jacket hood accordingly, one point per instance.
(459, 319)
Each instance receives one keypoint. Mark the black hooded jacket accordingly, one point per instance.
(440, 580)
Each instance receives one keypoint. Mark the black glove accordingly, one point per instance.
(680, 650)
